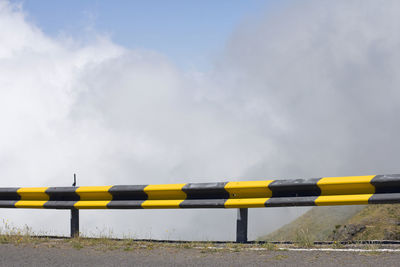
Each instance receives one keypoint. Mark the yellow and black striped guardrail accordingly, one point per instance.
(351, 190)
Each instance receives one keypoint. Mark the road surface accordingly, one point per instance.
(48, 254)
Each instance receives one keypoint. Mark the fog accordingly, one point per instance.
(307, 89)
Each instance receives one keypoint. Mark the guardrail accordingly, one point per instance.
(351, 190)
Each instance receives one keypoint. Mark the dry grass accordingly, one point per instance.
(382, 222)
(10, 234)
(319, 222)
(304, 239)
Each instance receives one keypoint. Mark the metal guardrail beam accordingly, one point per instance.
(350, 190)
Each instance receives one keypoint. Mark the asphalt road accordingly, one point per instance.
(29, 255)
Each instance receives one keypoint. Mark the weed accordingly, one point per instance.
(208, 250)
(76, 243)
(337, 244)
(232, 246)
(128, 248)
(303, 239)
(268, 246)
(371, 246)
(187, 246)
(14, 235)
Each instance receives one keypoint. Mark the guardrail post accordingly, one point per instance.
(241, 226)
(74, 223)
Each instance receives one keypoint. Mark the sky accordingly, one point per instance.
(305, 89)
(188, 33)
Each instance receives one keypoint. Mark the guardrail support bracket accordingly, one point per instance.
(74, 223)
(241, 226)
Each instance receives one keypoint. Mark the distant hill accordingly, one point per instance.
(343, 223)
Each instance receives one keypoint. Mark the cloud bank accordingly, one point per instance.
(308, 89)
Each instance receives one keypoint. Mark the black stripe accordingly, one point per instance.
(8, 203)
(202, 203)
(127, 196)
(128, 192)
(61, 197)
(125, 204)
(59, 204)
(62, 194)
(386, 183)
(291, 201)
(295, 188)
(206, 191)
(204, 195)
(9, 193)
(386, 198)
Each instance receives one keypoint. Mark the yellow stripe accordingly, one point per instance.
(161, 204)
(247, 194)
(346, 185)
(94, 193)
(252, 189)
(351, 190)
(343, 200)
(30, 204)
(165, 191)
(33, 193)
(246, 203)
(165, 196)
(91, 204)
(32, 197)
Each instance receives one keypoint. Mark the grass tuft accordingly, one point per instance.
(303, 239)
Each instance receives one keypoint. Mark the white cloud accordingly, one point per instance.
(310, 90)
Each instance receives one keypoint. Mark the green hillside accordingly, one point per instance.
(343, 223)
